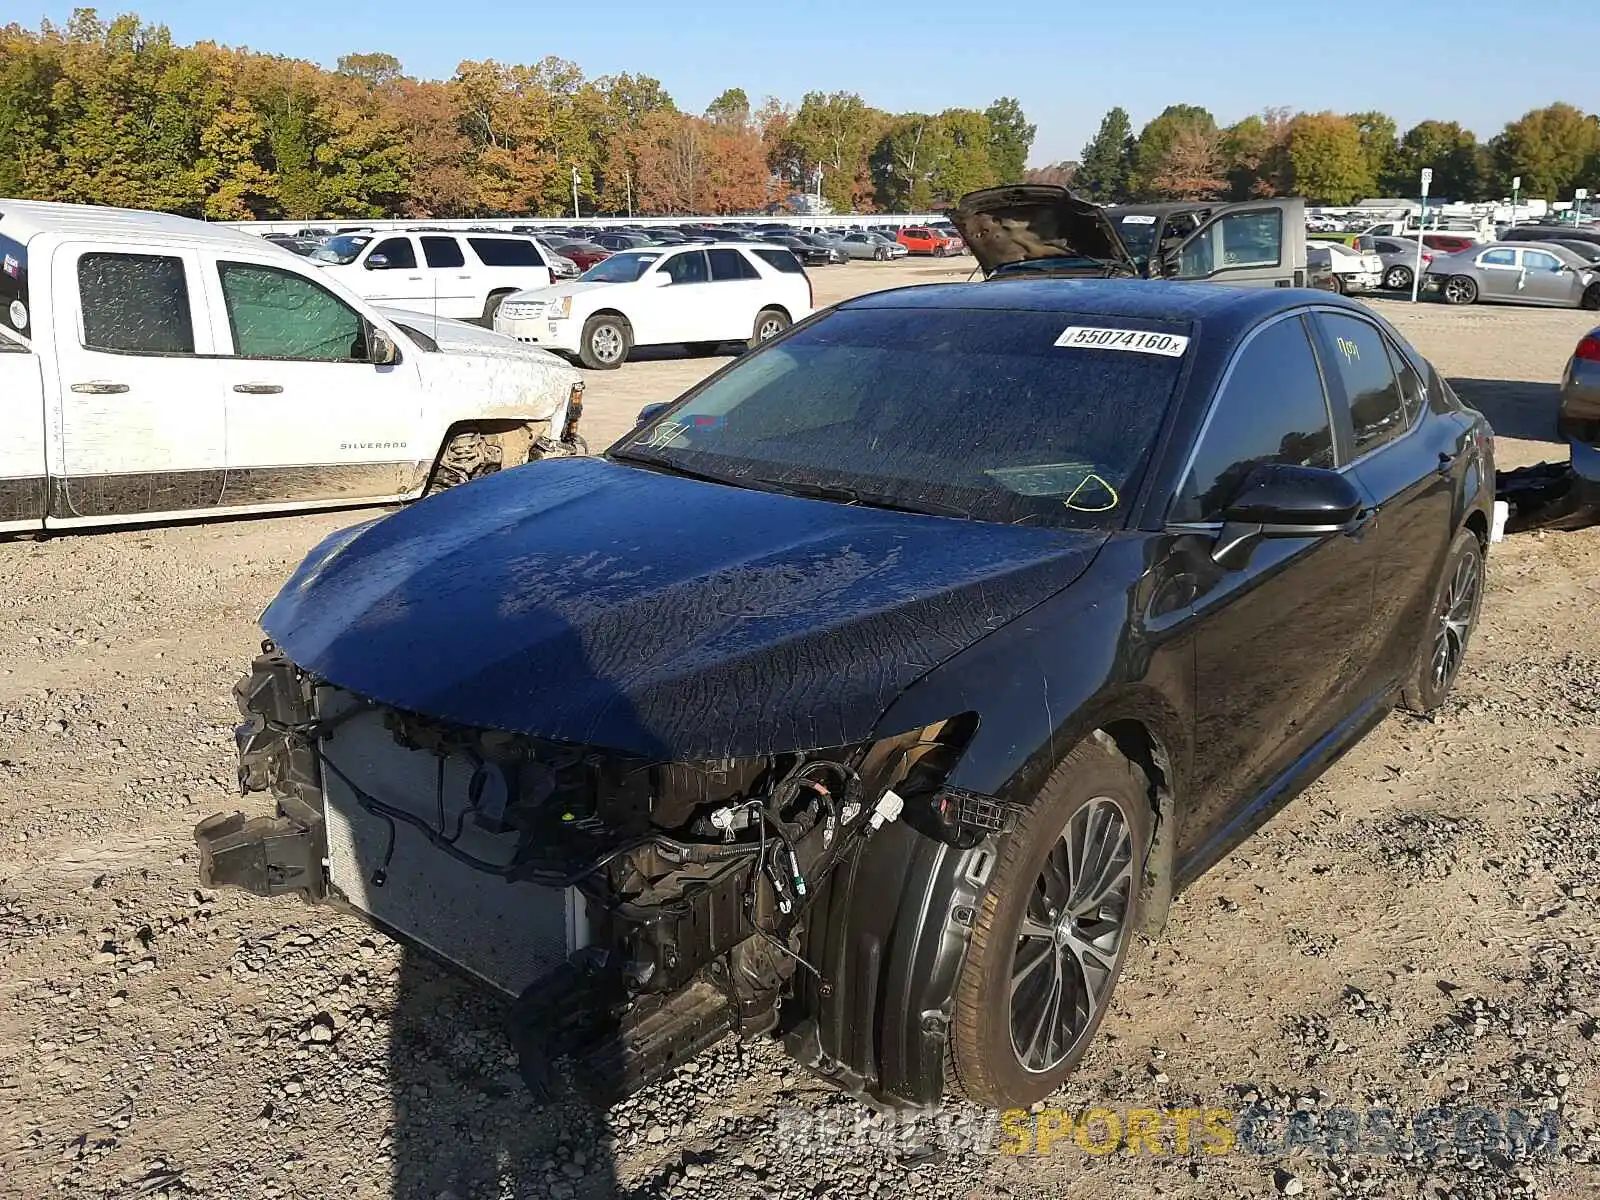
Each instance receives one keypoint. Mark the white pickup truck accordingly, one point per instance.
(154, 367)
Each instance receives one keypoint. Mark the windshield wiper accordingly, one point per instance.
(669, 467)
(1044, 266)
(850, 495)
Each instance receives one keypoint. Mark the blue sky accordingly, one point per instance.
(1424, 58)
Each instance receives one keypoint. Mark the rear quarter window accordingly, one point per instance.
(506, 252)
(781, 260)
(16, 313)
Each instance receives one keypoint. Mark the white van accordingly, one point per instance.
(154, 367)
(464, 274)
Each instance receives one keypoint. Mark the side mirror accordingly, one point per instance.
(378, 262)
(1281, 500)
(650, 412)
(381, 350)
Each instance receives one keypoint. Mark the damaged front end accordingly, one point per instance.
(635, 910)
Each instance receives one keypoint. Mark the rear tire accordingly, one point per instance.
(492, 305)
(770, 322)
(1459, 289)
(605, 343)
(1338, 283)
(1051, 909)
(1397, 279)
(1591, 297)
(1457, 600)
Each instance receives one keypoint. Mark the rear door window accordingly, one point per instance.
(1504, 257)
(15, 312)
(731, 265)
(1361, 362)
(687, 268)
(135, 303)
(1273, 408)
(443, 252)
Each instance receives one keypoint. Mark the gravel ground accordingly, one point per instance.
(1417, 930)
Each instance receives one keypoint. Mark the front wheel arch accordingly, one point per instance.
(472, 449)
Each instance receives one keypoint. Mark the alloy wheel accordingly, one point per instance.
(1459, 290)
(1071, 935)
(769, 328)
(606, 343)
(1456, 613)
(1398, 279)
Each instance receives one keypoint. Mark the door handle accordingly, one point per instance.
(258, 389)
(99, 387)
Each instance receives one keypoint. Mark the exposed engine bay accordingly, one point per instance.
(636, 911)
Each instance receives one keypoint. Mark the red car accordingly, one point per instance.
(585, 254)
(1450, 243)
(919, 239)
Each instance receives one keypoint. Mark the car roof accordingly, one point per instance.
(1148, 298)
(26, 219)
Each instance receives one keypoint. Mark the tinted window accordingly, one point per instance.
(1498, 258)
(687, 268)
(621, 268)
(14, 312)
(443, 252)
(1413, 392)
(1538, 260)
(730, 264)
(781, 260)
(506, 252)
(1272, 410)
(1361, 361)
(138, 303)
(277, 314)
(1233, 241)
(397, 251)
(977, 411)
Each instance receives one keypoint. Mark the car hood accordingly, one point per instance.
(573, 287)
(1031, 222)
(588, 601)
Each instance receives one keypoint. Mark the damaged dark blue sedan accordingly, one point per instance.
(879, 691)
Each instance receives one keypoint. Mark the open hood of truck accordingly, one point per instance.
(1036, 222)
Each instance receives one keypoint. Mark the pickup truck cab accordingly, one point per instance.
(1042, 228)
(154, 367)
(459, 274)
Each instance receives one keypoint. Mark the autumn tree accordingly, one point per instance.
(1255, 155)
(838, 131)
(1176, 155)
(1326, 160)
(1106, 171)
(1450, 151)
(1549, 147)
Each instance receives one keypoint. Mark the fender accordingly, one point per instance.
(893, 925)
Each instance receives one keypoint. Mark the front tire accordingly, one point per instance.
(1459, 289)
(1338, 283)
(605, 343)
(1457, 599)
(1397, 279)
(1053, 932)
(491, 306)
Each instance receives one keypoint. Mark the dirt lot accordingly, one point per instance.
(1419, 927)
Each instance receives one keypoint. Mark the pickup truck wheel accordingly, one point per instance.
(1053, 931)
(769, 324)
(605, 343)
(1397, 279)
(1459, 289)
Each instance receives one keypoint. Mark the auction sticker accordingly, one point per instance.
(19, 315)
(1138, 219)
(1141, 341)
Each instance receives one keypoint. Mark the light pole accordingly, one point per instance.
(1422, 225)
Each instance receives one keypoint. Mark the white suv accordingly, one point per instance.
(700, 296)
(461, 275)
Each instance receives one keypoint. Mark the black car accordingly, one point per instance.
(877, 691)
(620, 241)
(810, 253)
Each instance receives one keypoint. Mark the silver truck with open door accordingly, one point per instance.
(1043, 229)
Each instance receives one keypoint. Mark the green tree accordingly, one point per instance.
(1010, 139)
(1254, 158)
(838, 131)
(29, 141)
(1377, 132)
(731, 108)
(1550, 148)
(965, 165)
(1451, 151)
(1156, 174)
(1326, 160)
(904, 160)
(374, 70)
(1106, 170)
